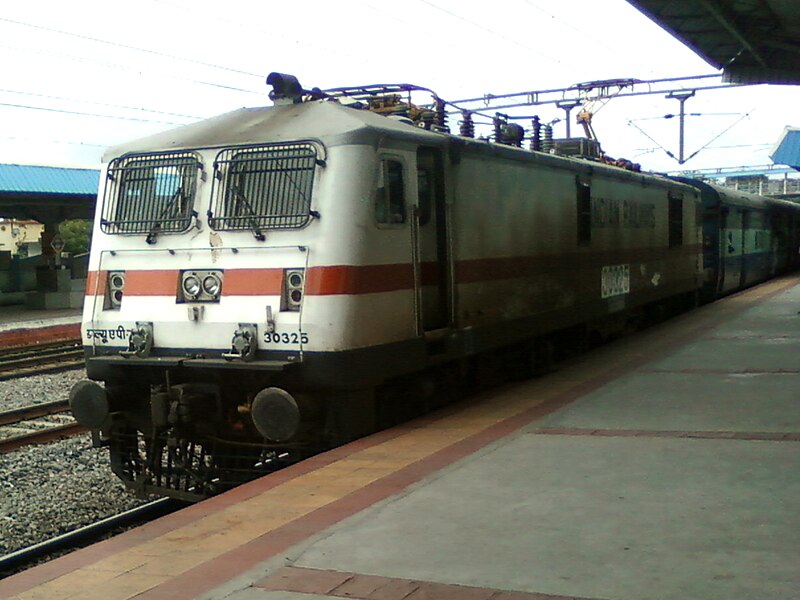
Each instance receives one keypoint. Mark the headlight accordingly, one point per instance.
(200, 285)
(191, 285)
(211, 285)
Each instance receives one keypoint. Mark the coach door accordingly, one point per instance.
(431, 261)
(732, 250)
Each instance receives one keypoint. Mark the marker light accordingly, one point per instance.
(116, 285)
(293, 281)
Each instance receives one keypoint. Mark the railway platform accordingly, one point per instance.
(664, 465)
(20, 326)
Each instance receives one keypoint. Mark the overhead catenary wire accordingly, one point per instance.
(129, 47)
(577, 89)
(126, 68)
(725, 147)
(272, 33)
(583, 32)
(701, 148)
(692, 114)
(94, 103)
(645, 134)
(723, 132)
(86, 114)
(429, 14)
(51, 141)
(416, 26)
(761, 145)
(491, 31)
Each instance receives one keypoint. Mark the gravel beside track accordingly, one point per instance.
(38, 389)
(49, 489)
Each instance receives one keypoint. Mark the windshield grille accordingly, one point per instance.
(266, 187)
(150, 194)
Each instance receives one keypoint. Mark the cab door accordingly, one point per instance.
(432, 260)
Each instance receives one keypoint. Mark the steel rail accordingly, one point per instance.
(34, 357)
(42, 369)
(24, 361)
(48, 434)
(44, 346)
(14, 561)
(33, 411)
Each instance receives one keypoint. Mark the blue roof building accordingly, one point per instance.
(30, 179)
(787, 150)
(47, 194)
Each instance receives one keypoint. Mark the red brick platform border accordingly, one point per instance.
(39, 335)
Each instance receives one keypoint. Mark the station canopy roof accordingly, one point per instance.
(752, 41)
(28, 179)
(47, 194)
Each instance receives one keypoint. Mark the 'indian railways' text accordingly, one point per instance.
(610, 212)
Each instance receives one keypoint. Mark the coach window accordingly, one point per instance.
(390, 204)
(675, 219)
(584, 212)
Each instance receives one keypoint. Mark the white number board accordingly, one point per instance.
(615, 280)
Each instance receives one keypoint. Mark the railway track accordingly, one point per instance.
(36, 425)
(49, 357)
(26, 557)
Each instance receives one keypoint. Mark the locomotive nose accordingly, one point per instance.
(88, 402)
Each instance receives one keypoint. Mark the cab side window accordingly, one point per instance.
(390, 205)
(424, 191)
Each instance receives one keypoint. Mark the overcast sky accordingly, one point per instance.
(84, 75)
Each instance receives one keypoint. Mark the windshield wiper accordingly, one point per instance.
(173, 203)
(241, 200)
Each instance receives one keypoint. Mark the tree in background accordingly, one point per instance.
(77, 235)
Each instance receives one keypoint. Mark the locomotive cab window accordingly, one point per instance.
(150, 194)
(390, 202)
(265, 187)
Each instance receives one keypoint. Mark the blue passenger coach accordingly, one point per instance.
(746, 238)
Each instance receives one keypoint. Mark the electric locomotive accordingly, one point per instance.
(278, 280)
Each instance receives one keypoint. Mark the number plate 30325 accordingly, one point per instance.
(295, 337)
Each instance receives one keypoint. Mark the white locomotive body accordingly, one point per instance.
(279, 279)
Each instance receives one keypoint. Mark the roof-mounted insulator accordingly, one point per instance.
(440, 121)
(466, 127)
(536, 134)
(547, 138)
